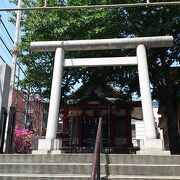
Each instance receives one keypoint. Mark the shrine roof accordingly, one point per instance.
(100, 89)
(93, 96)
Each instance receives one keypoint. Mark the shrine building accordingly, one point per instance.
(81, 113)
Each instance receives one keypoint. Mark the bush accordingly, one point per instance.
(22, 140)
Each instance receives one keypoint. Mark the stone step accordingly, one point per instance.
(87, 158)
(46, 168)
(44, 176)
(143, 169)
(49, 158)
(142, 159)
(81, 177)
(133, 177)
(82, 168)
(78, 166)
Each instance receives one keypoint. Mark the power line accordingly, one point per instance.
(5, 53)
(5, 45)
(2, 59)
(12, 55)
(6, 29)
(21, 69)
(3, 33)
(8, 37)
(110, 6)
(12, 42)
(4, 39)
(3, 3)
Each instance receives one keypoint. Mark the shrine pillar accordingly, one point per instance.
(150, 142)
(50, 143)
(145, 90)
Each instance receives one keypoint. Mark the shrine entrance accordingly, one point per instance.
(92, 110)
(89, 130)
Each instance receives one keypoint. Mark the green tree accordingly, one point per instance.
(99, 24)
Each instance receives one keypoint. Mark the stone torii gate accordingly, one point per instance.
(51, 144)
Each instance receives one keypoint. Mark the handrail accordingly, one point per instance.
(96, 157)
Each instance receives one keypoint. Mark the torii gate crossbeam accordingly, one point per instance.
(102, 44)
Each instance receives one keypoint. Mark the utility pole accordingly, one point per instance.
(15, 53)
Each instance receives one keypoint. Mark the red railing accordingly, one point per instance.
(96, 157)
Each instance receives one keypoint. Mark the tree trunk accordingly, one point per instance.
(174, 143)
(174, 140)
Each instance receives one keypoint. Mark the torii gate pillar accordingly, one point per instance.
(151, 143)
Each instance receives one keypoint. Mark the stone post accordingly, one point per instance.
(51, 144)
(146, 100)
(150, 144)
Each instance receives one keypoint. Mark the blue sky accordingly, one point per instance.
(11, 28)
